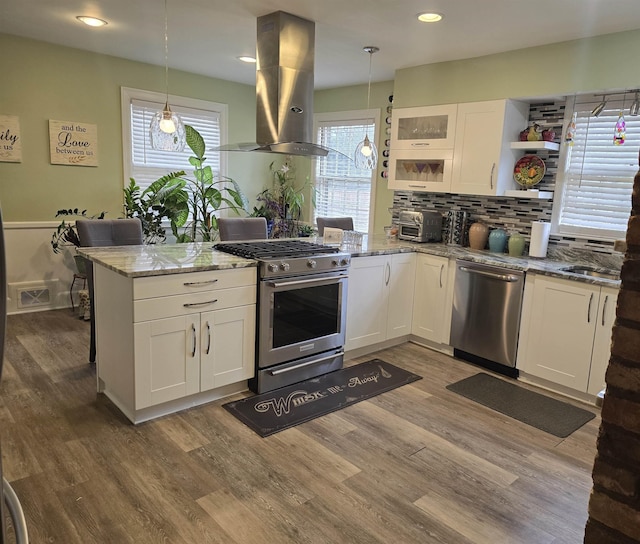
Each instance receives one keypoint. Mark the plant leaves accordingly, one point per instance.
(195, 141)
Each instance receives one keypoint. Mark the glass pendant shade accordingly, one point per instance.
(366, 155)
(167, 131)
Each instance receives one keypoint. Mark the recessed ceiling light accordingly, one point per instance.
(246, 58)
(429, 17)
(91, 21)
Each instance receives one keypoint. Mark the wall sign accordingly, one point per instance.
(73, 143)
(10, 140)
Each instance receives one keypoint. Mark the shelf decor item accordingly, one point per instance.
(529, 171)
(515, 244)
(497, 241)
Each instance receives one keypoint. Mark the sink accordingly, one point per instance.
(593, 271)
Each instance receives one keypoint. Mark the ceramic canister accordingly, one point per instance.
(497, 241)
(516, 244)
(478, 234)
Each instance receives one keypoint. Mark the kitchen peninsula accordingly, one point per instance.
(176, 323)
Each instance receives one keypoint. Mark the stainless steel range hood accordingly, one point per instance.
(284, 87)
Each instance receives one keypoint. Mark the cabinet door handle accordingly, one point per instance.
(192, 304)
(493, 169)
(208, 338)
(419, 144)
(190, 283)
(419, 186)
(441, 270)
(193, 337)
(589, 309)
(387, 274)
(604, 308)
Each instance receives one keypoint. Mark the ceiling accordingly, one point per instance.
(206, 36)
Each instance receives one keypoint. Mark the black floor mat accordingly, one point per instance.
(271, 412)
(545, 413)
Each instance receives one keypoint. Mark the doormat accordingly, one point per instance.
(545, 413)
(269, 413)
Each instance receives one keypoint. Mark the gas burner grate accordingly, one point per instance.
(276, 249)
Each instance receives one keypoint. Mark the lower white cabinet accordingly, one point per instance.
(566, 332)
(432, 307)
(379, 299)
(172, 341)
(180, 356)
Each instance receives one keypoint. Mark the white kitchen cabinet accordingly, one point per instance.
(421, 170)
(426, 127)
(163, 339)
(432, 306)
(566, 332)
(483, 159)
(379, 299)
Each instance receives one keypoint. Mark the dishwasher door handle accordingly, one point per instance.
(501, 277)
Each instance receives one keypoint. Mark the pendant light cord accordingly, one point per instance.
(369, 88)
(166, 51)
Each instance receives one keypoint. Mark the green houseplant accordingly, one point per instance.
(191, 204)
(66, 234)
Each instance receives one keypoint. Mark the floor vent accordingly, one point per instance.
(34, 297)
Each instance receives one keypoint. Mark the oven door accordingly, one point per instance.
(300, 316)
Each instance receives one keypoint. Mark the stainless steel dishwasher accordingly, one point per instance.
(486, 314)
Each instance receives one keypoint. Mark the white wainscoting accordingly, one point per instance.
(32, 264)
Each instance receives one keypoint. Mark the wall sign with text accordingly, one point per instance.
(10, 140)
(73, 143)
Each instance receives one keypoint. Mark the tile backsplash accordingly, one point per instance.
(510, 213)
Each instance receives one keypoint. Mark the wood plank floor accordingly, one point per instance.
(418, 464)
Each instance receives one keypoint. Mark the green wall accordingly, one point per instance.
(43, 81)
(603, 62)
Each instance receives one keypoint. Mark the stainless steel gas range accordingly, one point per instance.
(302, 297)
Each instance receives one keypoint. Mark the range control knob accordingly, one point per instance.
(311, 263)
(272, 267)
(284, 267)
(335, 262)
(344, 261)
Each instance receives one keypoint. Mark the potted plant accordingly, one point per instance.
(192, 204)
(65, 234)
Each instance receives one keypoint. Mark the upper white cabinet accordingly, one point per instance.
(566, 332)
(483, 159)
(421, 170)
(428, 127)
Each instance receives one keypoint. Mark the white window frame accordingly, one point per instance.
(366, 116)
(177, 102)
(587, 104)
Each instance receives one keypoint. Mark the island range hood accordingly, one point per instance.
(284, 87)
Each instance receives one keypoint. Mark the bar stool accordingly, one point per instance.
(81, 275)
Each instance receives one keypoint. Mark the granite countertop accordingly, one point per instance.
(552, 265)
(158, 260)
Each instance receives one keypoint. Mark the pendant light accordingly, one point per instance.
(598, 109)
(635, 106)
(166, 130)
(366, 155)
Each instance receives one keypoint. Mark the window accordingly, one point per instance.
(594, 196)
(145, 164)
(342, 189)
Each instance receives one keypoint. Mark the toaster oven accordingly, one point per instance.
(420, 226)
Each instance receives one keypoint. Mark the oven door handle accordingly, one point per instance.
(306, 282)
(301, 365)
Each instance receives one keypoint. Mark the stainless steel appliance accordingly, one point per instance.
(486, 315)
(420, 226)
(302, 296)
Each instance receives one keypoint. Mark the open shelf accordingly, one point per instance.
(540, 144)
(530, 193)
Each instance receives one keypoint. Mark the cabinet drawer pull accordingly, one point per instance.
(208, 338)
(493, 169)
(604, 308)
(193, 337)
(192, 304)
(192, 283)
(589, 309)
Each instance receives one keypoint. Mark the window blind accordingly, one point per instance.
(342, 190)
(149, 164)
(598, 176)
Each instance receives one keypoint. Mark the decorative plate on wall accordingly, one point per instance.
(529, 171)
